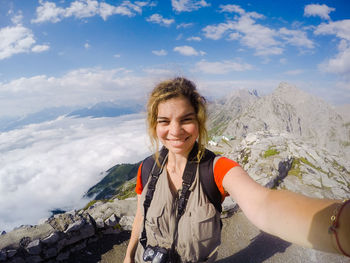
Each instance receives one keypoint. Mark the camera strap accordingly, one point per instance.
(187, 180)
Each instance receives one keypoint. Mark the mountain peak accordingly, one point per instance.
(286, 89)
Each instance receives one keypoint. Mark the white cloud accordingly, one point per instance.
(339, 28)
(216, 32)
(194, 39)
(49, 12)
(265, 40)
(340, 63)
(232, 9)
(116, 55)
(15, 40)
(17, 19)
(188, 5)
(221, 67)
(51, 165)
(234, 36)
(76, 88)
(296, 38)
(40, 48)
(161, 52)
(186, 51)
(159, 19)
(87, 45)
(318, 10)
(82, 9)
(184, 25)
(126, 9)
(249, 33)
(258, 37)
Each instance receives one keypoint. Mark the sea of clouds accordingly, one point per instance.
(51, 165)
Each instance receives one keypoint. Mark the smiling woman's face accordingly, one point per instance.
(177, 125)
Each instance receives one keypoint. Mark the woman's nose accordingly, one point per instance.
(175, 128)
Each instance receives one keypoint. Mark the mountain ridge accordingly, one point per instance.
(287, 109)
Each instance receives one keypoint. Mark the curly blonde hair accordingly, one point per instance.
(174, 88)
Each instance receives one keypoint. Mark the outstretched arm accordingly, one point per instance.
(136, 227)
(290, 216)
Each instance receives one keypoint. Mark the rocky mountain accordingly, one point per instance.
(106, 109)
(287, 109)
(10, 123)
(101, 109)
(279, 160)
(344, 111)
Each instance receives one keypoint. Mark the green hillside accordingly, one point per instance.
(116, 176)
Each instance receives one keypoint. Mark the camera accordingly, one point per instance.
(155, 254)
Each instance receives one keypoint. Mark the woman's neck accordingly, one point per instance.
(176, 163)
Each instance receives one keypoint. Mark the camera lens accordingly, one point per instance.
(161, 255)
(148, 255)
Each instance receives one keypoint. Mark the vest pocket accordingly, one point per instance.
(153, 226)
(205, 223)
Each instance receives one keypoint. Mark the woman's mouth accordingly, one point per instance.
(177, 142)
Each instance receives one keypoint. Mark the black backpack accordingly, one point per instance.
(206, 176)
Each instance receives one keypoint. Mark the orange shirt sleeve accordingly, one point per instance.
(139, 186)
(222, 166)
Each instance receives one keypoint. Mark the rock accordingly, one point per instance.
(87, 230)
(301, 166)
(228, 204)
(11, 253)
(17, 260)
(34, 247)
(50, 253)
(51, 239)
(74, 226)
(34, 259)
(63, 256)
(126, 222)
(3, 256)
(111, 221)
(79, 247)
(100, 223)
(12, 239)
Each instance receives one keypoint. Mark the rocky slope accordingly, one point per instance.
(287, 109)
(63, 237)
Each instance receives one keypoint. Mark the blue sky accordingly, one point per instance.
(80, 52)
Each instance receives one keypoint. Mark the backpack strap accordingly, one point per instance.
(155, 173)
(187, 179)
(206, 171)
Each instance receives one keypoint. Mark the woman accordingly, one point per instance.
(176, 118)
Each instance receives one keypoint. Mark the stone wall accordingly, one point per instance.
(60, 235)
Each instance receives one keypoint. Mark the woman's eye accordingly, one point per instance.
(162, 121)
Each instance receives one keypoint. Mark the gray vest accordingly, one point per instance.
(199, 230)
